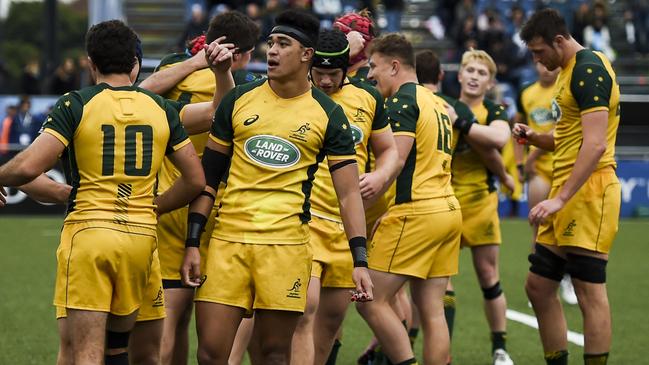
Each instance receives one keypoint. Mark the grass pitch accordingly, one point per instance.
(28, 333)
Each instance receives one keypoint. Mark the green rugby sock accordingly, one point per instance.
(595, 359)
(333, 355)
(498, 341)
(556, 357)
(449, 310)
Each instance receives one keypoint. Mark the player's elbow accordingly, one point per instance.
(597, 146)
(196, 184)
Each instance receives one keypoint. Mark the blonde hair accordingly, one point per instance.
(477, 55)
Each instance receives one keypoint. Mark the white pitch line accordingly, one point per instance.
(526, 319)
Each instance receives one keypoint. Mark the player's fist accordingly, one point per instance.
(544, 209)
(371, 184)
(219, 55)
(522, 133)
(190, 272)
(364, 286)
(356, 43)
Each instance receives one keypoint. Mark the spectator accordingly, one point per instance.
(5, 128)
(598, 38)
(195, 27)
(467, 35)
(65, 78)
(30, 84)
(640, 10)
(393, 12)
(580, 20)
(23, 127)
(83, 74)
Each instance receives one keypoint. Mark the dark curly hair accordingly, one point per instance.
(547, 24)
(111, 47)
(305, 22)
(238, 29)
(396, 46)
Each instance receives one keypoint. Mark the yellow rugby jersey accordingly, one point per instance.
(197, 87)
(535, 106)
(469, 173)
(585, 85)
(363, 107)
(277, 145)
(360, 75)
(116, 139)
(416, 112)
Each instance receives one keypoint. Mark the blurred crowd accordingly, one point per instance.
(20, 125)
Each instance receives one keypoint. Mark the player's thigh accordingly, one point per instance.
(179, 303)
(427, 294)
(145, 342)
(538, 189)
(386, 285)
(276, 328)
(221, 319)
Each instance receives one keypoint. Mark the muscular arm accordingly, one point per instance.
(46, 190)
(161, 81)
(345, 180)
(40, 156)
(494, 162)
(494, 135)
(190, 183)
(375, 183)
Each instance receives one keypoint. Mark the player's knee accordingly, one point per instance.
(586, 268)
(547, 264)
(275, 353)
(487, 272)
(209, 355)
(492, 292)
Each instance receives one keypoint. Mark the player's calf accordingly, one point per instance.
(116, 348)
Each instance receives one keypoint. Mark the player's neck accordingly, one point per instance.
(432, 87)
(571, 49)
(290, 88)
(403, 77)
(471, 100)
(114, 80)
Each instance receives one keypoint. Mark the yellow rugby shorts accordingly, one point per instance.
(589, 220)
(425, 245)
(480, 222)
(104, 266)
(257, 276)
(332, 259)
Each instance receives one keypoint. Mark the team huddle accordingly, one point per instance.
(269, 203)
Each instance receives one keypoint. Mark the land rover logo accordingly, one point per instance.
(272, 151)
(556, 110)
(357, 134)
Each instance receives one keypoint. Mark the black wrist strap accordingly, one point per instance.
(463, 125)
(195, 227)
(358, 247)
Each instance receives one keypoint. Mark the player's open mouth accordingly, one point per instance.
(272, 63)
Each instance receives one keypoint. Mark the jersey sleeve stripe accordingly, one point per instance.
(182, 144)
(404, 133)
(594, 109)
(58, 136)
(220, 141)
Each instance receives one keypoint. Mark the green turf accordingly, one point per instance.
(28, 329)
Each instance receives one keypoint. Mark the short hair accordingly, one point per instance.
(477, 55)
(428, 67)
(111, 47)
(394, 45)
(547, 24)
(301, 20)
(237, 28)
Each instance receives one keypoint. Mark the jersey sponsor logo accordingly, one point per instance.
(300, 133)
(251, 120)
(294, 292)
(272, 151)
(158, 301)
(556, 110)
(357, 134)
(542, 116)
(359, 116)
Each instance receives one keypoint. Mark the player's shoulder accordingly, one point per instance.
(245, 88)
(171, 59)
(493, 107)
(244, 76)
(528, 88)
(590, 67)
(366, 87)
(326, 103)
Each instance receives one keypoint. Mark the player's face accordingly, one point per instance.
(546, 76)
(548, 55)
(475, 79)
(327, 79)
(285, 56)
(381, 71)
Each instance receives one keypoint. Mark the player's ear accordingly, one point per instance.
(395, 67)
(307, 54)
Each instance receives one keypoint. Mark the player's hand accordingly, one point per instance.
(198, 60)
(3, 199)
(356, 43)
(523, 133)
(190, 272)
(544, 209)
(364, 286)
(509, 183)
(219, 55)
(451, 112)
(370, 184)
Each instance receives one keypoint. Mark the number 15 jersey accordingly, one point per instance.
(116, 139)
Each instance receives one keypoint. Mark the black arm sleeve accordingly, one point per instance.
(215, 164)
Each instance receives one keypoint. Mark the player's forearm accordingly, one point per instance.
(389, 166)
(184, 190)
(162, 81)
(492, 160)
(17, 171)
(46, 190)
(499, 132)
(519, 153)
(485, 136)
(542, 140)
(589, 155)
(352, 212)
